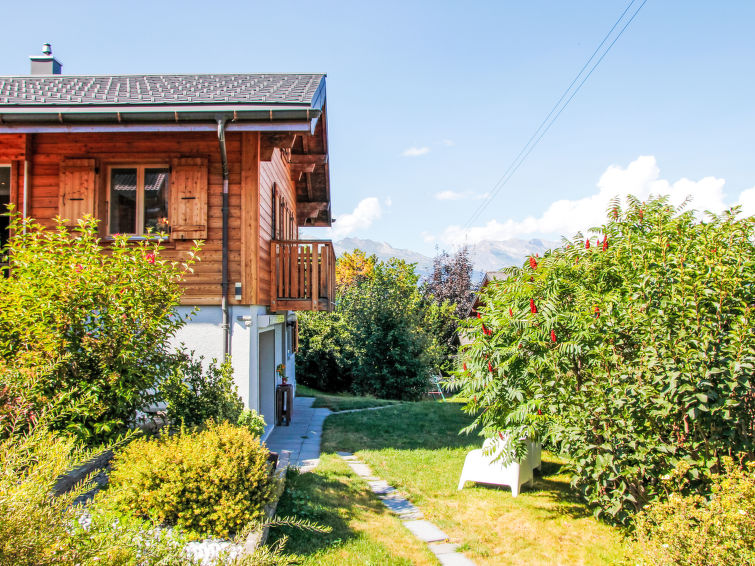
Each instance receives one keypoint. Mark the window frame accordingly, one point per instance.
(140, 168)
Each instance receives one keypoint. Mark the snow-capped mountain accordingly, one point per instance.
(486, 256)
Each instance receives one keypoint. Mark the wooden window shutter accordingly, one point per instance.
(188, 206)
(77, 189)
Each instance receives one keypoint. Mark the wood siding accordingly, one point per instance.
(53, 158)
(48, 151)
(276, 173)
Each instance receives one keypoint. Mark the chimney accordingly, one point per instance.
(45, 64)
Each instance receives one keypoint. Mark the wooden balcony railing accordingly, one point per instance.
(303, 275)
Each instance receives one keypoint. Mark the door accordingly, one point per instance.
(266, 377)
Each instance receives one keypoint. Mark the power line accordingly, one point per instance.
(542, 129)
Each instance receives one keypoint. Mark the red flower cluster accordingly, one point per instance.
(486, 331)
(605, 242)
(79, 268)
(597, 312)
(490, 367)
(511, 313)
(553, 336)
(533, 308)
(587, 244)
(150, 257)
(533, 263)
(465, 366)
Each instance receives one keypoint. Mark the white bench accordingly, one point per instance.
(484, 466)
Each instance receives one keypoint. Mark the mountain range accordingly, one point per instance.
(487, 255)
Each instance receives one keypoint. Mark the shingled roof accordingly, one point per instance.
(305, 90)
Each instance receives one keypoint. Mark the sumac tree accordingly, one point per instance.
(629, 349)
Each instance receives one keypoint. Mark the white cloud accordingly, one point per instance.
(427, 237)
(466, 195)
(415, 151)
(366, 212)
(747, 200)
(567, 217)
(388, 201)
(448, 143)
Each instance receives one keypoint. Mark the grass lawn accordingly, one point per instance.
(364, 532)
(417, 449)
(341, 401)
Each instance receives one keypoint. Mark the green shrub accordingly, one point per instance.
(86, 326)
(380, 341)
(325, 356)
(39, 529)
(629, 351)
(694, 530)
(195, 396)
(252, 421)
(215, 481)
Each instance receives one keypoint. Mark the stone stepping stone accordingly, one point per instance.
(454, 559)
(362, 470)
(401, 507)
(439, 548)
(381, 487)
(426, 531)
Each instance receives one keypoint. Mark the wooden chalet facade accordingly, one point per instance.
(164, 153)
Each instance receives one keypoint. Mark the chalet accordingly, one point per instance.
(239, 161)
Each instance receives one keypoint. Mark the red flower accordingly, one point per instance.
(478, 315)
(511, 313)
(465, 366)
(150, 257)
(597, 312)
(641, 214)
(553, 336)
(490, 367)
(615, 212)
(79, 268)
(533, 308)
(533, 263)
(539, 412)
(475, 398)
(605, 243)
(587, 244)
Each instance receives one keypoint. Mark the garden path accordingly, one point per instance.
(299, 443)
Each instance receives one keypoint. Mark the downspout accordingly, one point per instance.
(26, 190)
(224, 284)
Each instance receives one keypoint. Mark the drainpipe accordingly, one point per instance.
(224, 284)
(26, 190)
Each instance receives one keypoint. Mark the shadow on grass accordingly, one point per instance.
(328, 497)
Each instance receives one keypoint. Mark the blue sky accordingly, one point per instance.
(434, 99)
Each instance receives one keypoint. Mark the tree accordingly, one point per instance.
(630, 352)
(379, 340)
(451, 280)
(85, 328)
(449, 286)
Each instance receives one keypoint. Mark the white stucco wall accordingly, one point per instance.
(204, 335)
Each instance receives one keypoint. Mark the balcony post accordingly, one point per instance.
(315, 277)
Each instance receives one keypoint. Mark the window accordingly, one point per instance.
(138, 197)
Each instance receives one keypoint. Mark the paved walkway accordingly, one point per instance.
(299, 444)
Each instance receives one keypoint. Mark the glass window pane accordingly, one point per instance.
(4, 182)
(123, 201)
(156, 187)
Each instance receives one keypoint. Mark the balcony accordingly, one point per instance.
(303, 275)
